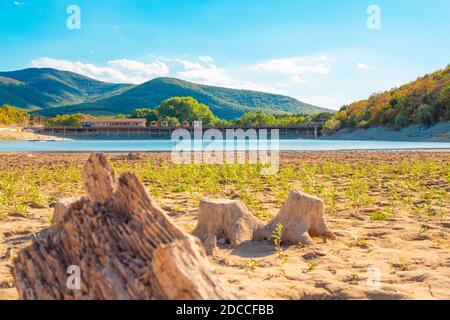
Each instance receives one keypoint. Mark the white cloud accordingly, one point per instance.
(296, 67)
(362, 66)
(155, 69)
(124, 70)
(205, 71)
(206, 59)
(18, 3)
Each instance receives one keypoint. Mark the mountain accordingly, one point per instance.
(424, 101)
(47, 88)
(51, 92)
(224, 103)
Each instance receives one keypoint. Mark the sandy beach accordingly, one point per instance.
(389, 212)
(18, 134)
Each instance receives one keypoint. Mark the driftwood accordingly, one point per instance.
(225, 219)
(302, 217)
(123, 244)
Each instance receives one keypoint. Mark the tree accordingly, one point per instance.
(425, 114)
(401, 120)
(332, 125)
(257, 119)
(149, 114)
(67, 120)
(12, 116)
(186, 109)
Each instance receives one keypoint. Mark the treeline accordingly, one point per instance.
(73, 120)
(175, 111)
(425, 101)
(180, 109)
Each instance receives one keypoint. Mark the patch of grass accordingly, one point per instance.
(379, 216)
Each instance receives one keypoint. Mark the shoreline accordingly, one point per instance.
(437, 133)
(21, 135)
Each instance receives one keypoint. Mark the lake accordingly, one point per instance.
(167, 145)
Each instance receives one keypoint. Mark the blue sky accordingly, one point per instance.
(321, 52)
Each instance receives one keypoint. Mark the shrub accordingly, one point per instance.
(332, 125)
(401, 120)
(425, 115)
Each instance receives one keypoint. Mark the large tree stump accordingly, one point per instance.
(122, 242)
(226, 219)
(302, 217)
(176, 261)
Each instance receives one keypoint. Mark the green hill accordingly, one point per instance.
(224, 103)
(52, 92)
(47, 88)
(424, 101)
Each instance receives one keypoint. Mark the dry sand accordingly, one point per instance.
(411, 263)
(17, 134)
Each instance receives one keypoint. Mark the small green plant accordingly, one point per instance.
(360, 243)
(402, 265)
(380, 216)
(332, 195)
(311, 266)
(251, 265)
(281, 255)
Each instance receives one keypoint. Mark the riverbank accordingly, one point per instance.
(437, 133)
(388, 210)
(18, 134)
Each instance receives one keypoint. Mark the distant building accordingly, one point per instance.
(113, 123)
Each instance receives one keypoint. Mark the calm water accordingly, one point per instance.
(167, 145)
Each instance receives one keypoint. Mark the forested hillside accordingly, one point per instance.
(424, 101)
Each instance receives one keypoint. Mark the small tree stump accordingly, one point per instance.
(302, 217)
(227, 219)
(123, 244)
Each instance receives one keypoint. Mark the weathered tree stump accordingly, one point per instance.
(122, 242)
(302, 217)
(228, 219)
(181, 260)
